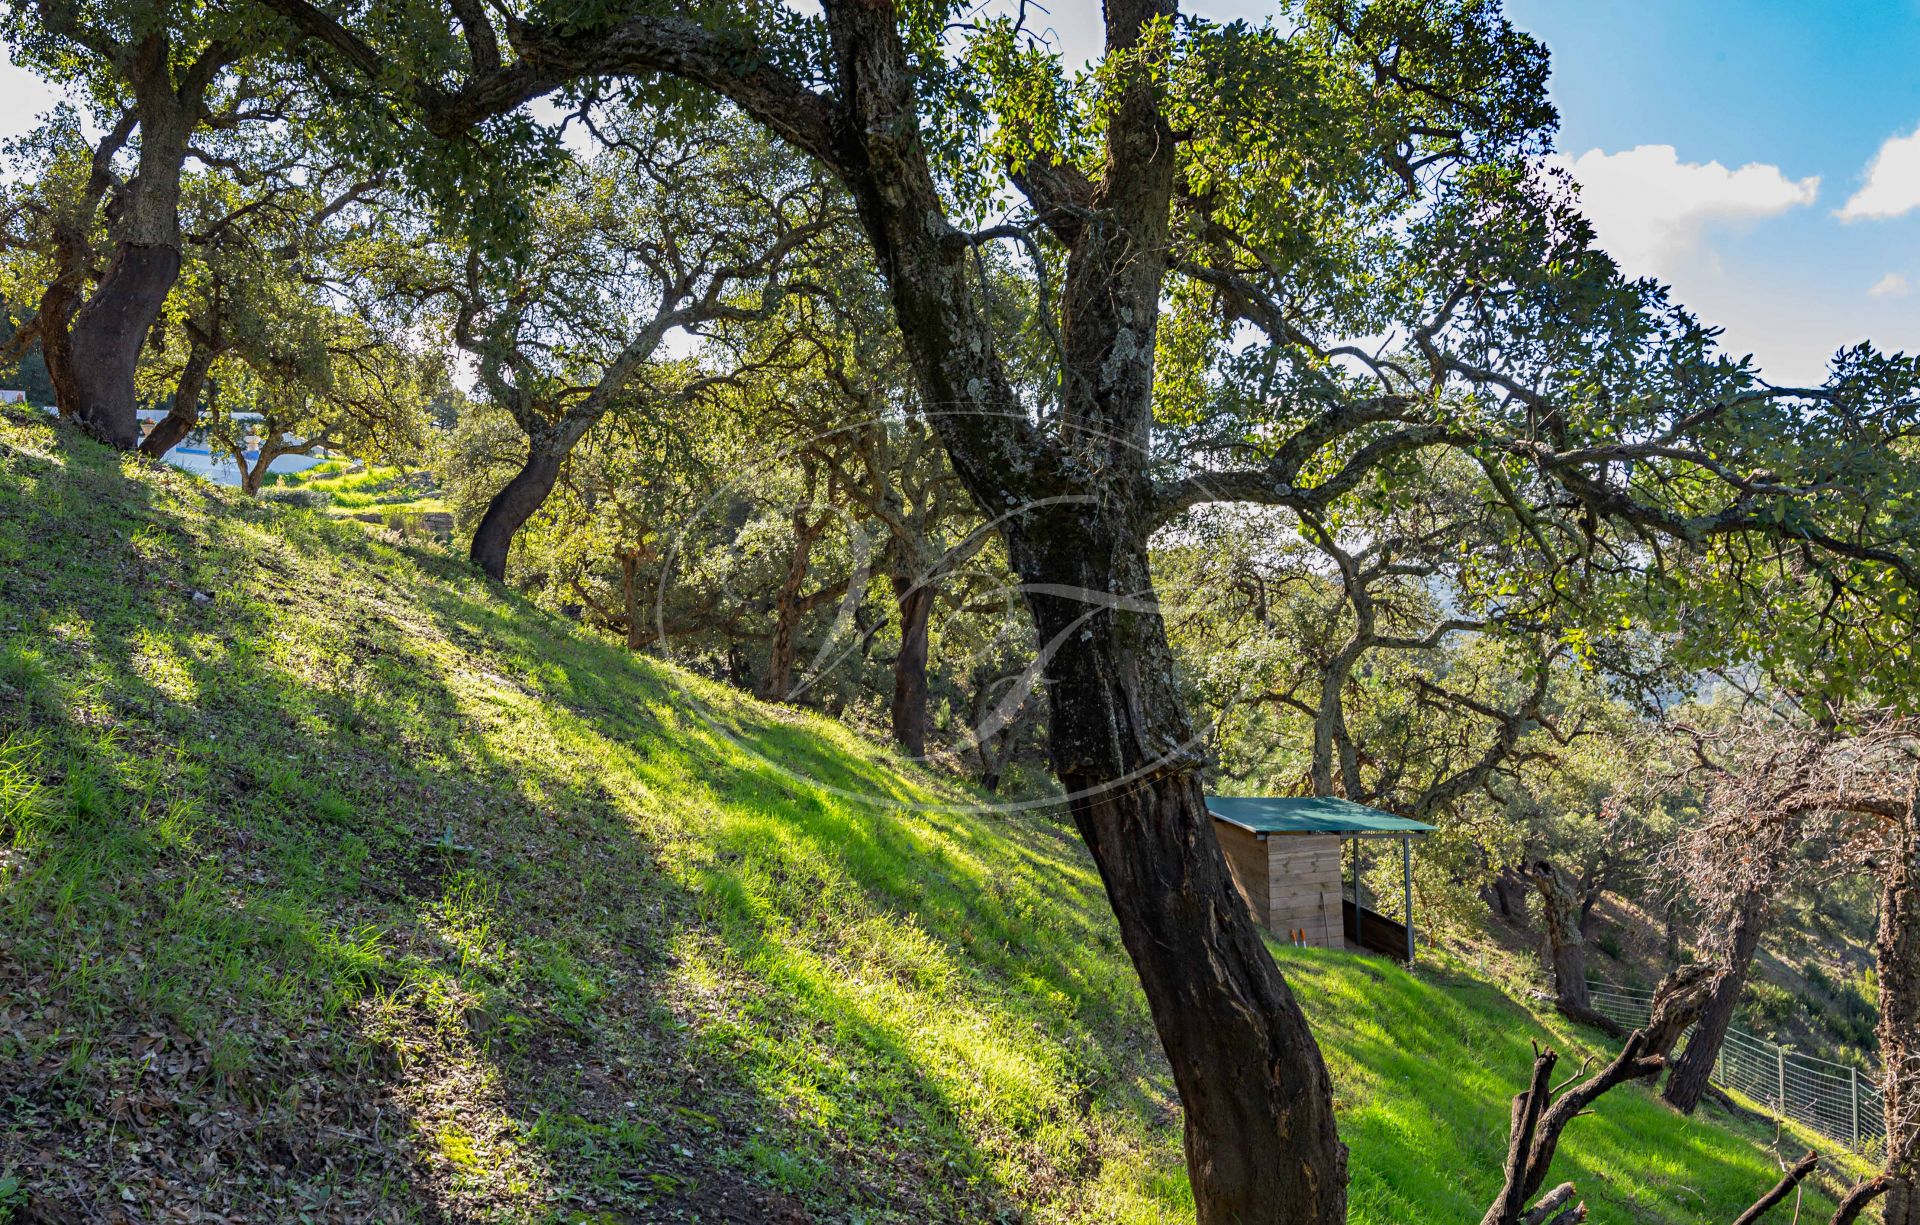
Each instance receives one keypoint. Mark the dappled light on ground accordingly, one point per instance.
(338, 883)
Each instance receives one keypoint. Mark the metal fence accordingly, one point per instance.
(1836, 1100)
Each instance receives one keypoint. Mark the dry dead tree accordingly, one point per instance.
(1846, 784)
(1792, 1178)
(1856, 1200)
(1677, 1003)
(1540, 1113)
(1749, 780)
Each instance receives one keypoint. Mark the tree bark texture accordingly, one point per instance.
(1676, 1006)
(95, 384)
(1687, 1081)
(1897, 956)
(92, 365)
(1566, 947)
(173, 429)
(1260, 1136)
(515, 503)
(909, 710)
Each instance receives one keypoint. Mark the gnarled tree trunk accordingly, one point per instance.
(1897, 954)
(1566, 947)
(515, 503)
(173, 429)
(1260, 1132)
(95, 382)
(909, 710)
(254, 476)
(92, 364)
(1687, 1081)
(1260, 1135)
(1676, 1005)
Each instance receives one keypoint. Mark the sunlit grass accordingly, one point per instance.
(458, 907)
(374, 487)
(359, 805)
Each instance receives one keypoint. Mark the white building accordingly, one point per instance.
(196, 456)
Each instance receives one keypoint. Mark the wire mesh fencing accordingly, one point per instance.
(1838, 1101)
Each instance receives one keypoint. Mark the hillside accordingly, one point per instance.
(339, 885)
(1812, 980)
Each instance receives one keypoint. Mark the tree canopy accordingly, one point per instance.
(1292, 318)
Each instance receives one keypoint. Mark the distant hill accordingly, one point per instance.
(340, 885)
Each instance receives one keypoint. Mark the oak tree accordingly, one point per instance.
(1347, 170)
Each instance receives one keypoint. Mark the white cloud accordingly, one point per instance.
(1649, 208)
(1892, 285)
(1893, 181)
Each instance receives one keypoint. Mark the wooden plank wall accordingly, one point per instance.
(1378, 934)
(1303, 883)
(1247, 860)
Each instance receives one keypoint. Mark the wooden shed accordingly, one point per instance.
(1285, 853)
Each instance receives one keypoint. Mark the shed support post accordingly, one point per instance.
(1359, 911)
(1406, 883)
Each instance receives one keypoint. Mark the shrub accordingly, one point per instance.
(1817, 977)
(305, 499)
(1768, 1005)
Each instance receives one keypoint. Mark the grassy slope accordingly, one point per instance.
(371, 489)
(359, 890)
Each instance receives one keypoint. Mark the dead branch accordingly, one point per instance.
(1555, 1207)
(1539, 1118)
(1677, 1002)
(1788, 1181)
(1856, 1200)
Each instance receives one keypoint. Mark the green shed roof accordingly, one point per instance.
(1315, 814)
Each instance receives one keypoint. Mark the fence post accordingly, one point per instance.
(1853, 1085)
(1780, 1063)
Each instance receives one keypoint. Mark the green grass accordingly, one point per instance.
(372, 488)
(336, 884)
(1425, 1066)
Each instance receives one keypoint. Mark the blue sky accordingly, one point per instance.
(1755, 98)
(1719, 143)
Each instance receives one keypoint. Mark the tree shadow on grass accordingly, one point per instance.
(324, 907)
(1425, 1068)
(969, 960)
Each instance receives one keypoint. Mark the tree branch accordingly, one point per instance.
(1538, 1120)
(1788, 1181)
